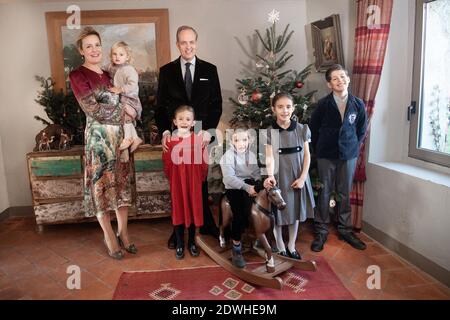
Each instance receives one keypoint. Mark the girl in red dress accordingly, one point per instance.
(186, 169)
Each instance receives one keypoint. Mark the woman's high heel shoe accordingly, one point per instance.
(118, 255)
(131, 248)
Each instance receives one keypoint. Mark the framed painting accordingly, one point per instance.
(327, 42)
(145, 31)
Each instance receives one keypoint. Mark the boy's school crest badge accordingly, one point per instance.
(352, 118)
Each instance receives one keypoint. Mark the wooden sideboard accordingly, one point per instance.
(56, 181)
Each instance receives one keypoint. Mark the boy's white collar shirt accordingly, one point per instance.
(341, 103)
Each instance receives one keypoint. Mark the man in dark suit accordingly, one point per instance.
(189, 81)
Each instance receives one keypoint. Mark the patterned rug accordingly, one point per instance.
(215, 283)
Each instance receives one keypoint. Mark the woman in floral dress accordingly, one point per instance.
(106, 178)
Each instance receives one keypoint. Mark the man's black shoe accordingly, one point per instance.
(172, 242)
(353, 240)
(193, 250)
(319, 241)
(179, 253)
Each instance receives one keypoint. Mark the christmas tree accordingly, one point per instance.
(253, 105)
(61, 108)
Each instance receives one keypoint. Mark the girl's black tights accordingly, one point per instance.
(179, 232)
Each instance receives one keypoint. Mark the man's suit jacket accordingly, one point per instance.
(206, 97)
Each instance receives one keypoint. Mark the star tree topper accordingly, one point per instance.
(274, 16)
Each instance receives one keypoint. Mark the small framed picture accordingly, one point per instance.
(327, 42)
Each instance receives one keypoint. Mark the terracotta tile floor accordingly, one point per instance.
(33, 266)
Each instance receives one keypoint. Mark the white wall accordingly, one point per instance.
(405, 198)
(219, 23)
(4, 201)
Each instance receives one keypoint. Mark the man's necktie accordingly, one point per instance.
(188, 80)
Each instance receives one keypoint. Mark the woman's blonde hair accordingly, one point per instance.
(87, 31)
(125, 46)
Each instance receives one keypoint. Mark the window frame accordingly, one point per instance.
(415, 110)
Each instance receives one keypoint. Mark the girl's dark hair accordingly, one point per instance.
(335, 67)
(280, 95)
(182, 108)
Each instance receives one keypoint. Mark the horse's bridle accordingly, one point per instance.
(262, 209)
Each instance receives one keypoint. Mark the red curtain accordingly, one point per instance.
(371, 36)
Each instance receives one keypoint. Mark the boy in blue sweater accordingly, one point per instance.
(338, 126)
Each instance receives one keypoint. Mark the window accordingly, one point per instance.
(430, 110)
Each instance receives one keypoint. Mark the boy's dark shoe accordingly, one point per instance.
(194, 250)
(319, 241)
(353, 240)
(237, 258)
(179, 253)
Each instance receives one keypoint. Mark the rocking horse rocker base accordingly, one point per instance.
(260, 221)
(259, 275)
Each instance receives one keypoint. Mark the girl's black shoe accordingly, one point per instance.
(283, 253)
(193, 250)
(294, 255)
(179, 253)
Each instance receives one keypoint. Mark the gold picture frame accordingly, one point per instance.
(146, 31)
(327, 42)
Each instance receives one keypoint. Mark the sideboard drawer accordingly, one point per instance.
(71, 211)
(56, 166)
(154, 204)
(147, 161)
(61, 188)
(151, 181)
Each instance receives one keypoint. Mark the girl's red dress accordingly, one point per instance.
(186, 169)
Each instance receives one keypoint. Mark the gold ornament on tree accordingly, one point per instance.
(243, 98)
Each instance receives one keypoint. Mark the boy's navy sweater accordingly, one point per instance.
(334, 138)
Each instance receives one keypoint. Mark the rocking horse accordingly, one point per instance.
(261, 220)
